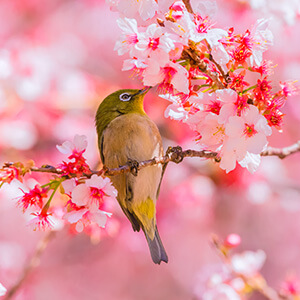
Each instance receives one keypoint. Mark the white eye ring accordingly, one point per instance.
(125, 97)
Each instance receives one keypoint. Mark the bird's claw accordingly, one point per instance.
(134, 166)
(175, 154)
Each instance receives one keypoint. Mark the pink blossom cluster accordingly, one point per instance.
(85, 196)
(239, 276)
(216, 80)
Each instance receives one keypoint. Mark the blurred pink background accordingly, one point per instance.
(56, 64)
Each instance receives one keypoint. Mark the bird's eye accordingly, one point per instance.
(125, 97)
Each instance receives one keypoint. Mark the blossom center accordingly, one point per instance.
(96, 195)
(249, 130)
(153, 43)
(202, 24)
(214, 107)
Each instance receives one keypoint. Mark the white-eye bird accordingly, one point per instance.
(126, 133)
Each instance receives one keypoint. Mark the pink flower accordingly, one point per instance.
(94, 191)
(35, 197)
(135, 64)
(212, 132)
(155, 38)
(232, 104)
(251, 129)
(180, 109)
(78, 145)
(87, 202)
(262, 38)
(130, 37)
(288, 88)
(8, 174)
(291, 286)
(176, 11)
(246, 134)
(82, 217)
(248, 263)
(169, 76)
(42, 221)
(78, 164)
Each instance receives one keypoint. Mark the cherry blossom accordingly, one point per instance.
(246, 134)
(170, 76)
(77, 164)
(248, 263)
(130, 37)
(35, 197)
(87, 201)
(79, 144)
(41, 221)
(8, 174)
(155, 38)
(262, 38)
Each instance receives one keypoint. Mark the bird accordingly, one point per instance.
(127, 135)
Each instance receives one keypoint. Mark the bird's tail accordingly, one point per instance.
(157, 250)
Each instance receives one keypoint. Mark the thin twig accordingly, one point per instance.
(225, 76)
(33, 263)
(188, 6)
(255, 284)
(282, 152)
(192, 54)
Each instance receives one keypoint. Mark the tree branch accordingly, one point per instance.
(192, 54)
(188, 6)
(225, 76)
(282, 152)
(33, 263)
(173, 154)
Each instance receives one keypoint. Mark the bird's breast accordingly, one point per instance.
(130, 136)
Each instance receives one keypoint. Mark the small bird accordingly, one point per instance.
(127, 134)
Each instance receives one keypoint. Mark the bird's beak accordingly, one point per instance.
(144, 90)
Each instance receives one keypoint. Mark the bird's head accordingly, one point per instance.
(124, 101)
(119, 103)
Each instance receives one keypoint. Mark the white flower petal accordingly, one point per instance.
(251, 162)
(3, 290)
(65, 148)
(80, 142)
(234, 127)
(81, 194)
(256, 143)
(74, 216)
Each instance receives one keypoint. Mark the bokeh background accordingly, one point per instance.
(56, 65)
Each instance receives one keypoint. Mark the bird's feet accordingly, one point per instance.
(175, 154)
(134, 166)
